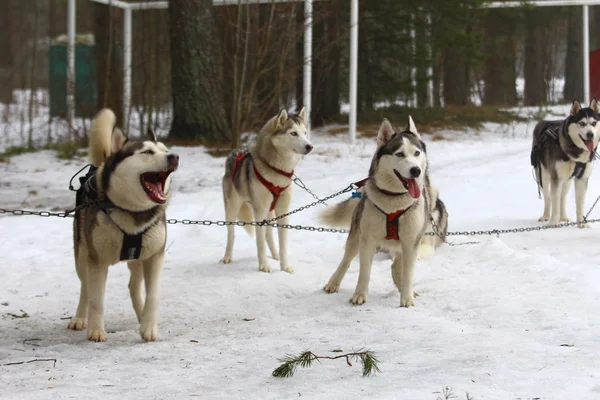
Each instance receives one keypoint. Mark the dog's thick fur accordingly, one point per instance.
(563, 152)
(280, 144)
(98, 234)
(398, 155)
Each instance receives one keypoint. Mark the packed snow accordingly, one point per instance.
(511, 317)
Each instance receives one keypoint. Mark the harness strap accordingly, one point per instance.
(132, 246)
(579, 170)
(392, 221)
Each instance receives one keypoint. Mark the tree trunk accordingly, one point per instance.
(573, 89)
(299, 83)
(456, 78)
(198, 102)
(109, 60)
(536, 57)
(6, 55)
(499, 70)
(422, 59)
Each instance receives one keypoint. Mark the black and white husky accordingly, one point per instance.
(124, 220)
(563, 152)
(396, 209)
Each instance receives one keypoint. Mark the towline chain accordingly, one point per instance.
(272, 221)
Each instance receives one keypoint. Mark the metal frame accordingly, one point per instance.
(307, 70)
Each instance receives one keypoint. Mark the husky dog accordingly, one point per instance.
(393, 213)
(257, 184)
(124, 199)
(562, 152)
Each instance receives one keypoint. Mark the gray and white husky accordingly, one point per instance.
(124, 220)
(257, 184)
(394, 213)
(563, 152)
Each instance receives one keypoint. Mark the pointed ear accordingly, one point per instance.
(281, 118)
(594, 105)
(302, 114)
(575, 108)
(117, 141)
(151, 135)
(386, 131)
(412, 128)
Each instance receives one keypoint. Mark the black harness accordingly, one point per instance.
(132, 244)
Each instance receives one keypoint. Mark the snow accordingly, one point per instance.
(492, 318)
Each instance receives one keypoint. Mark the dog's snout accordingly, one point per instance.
(173, 160)
(590, 135)
(415, 172)
(309, 148)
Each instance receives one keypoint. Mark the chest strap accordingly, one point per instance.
(392, 220)
(579, 170)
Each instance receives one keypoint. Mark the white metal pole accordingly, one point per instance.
(353, 69)
(71, 64)
(586, 55)
(127, 67)
(430, 66)
(307, 72)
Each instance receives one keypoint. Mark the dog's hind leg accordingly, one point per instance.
(350, 252)
(79, 321)
(580, 191)
(135, 287)
(563, 200)
(96, 282)
(271, 241)
(233, 203)
(149, 320)
(546, 194)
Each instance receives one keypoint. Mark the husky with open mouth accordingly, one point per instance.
(122, 218)
(562, 152)
(393, 213)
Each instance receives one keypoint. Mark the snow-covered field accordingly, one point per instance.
(514, 317)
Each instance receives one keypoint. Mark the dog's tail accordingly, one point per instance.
(246, 214)
(339, 215)
(100, 136)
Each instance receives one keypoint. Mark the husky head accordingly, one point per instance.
(582, 125)
(400, 162)
(287, 133)
(137, 174)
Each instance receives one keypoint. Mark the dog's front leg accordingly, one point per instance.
(580, 191)
(135, 287)
(282, 207)
(365, 255)
(96, 282)
(563, 200)
(351, 250)
(409, 258)
(149, 320)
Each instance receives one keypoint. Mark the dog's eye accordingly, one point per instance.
(294, 133)
(400, 154)
(417, 153)
(593, 123)
(148, 152)
(582, 123)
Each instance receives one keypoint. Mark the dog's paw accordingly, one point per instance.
(331, 287)
(425, 250)
(407, 301)
(77, 324)
(583, 225)
(225, 260)
(149, 331)
(275, 256)
(565, 219)
(97, 335)
(543, 218)
(553, 222)
(288, 268)
(265, 268)
(358, 298)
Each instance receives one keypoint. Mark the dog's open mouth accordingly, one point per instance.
(589, 144)
(414, 190)
(154, 185)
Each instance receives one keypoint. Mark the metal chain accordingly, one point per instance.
(591, 208)
(301, 185)
(436, 232)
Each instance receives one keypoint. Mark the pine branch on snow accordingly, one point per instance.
(290, 362)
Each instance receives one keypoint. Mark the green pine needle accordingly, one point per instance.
(289, 363)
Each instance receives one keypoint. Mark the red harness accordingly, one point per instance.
(273, 189)
(392, 219)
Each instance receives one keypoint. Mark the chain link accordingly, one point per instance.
(301, 185)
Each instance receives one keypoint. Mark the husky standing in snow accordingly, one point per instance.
(257, 184)
(562, 152)
(393, 213)
(125, 197)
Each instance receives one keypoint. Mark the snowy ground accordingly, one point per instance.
(514, 317)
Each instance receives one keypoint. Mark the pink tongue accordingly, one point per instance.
(589, 144)
(413, 188)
